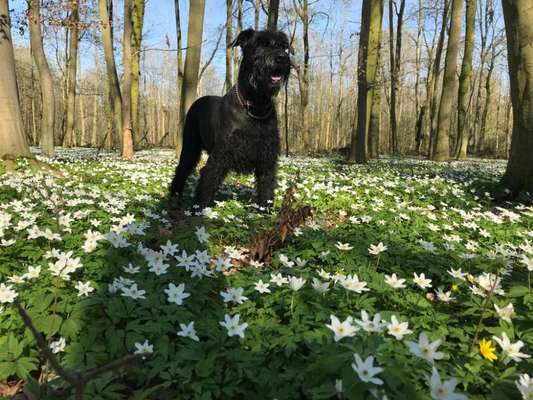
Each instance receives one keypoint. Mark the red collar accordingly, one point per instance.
(247, 105)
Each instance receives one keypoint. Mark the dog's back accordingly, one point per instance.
(201, 123)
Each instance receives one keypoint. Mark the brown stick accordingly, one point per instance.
(47, 352)
(77, 380)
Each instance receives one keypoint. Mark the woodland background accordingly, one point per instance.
(321, 97)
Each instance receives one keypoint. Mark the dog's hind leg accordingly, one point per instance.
(190, 155)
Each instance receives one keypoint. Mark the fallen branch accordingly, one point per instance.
(288, 219)
(77, 380)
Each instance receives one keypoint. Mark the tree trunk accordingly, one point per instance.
(417, 71)
(441, 150)
(481, 145)
(192, 58)
(72, 72)
(229, 50)
(273, 10)
(395, 65)
(518, 15)
(127, 135)
(136, 41)
(257, 13)
(13, 142)
(45, 79)
(179, 74)
(375, 118)
(433, 82)
(303, 73)
(368, 58)
(115, 96)
(465, 81)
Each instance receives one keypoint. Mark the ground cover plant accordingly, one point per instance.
(409, 281)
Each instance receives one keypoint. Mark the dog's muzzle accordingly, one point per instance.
(281, 69)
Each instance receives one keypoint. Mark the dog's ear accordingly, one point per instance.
(242, 38)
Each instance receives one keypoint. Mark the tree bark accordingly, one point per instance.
(375, 117)
(303, 72)
(45, 79)
(368, 58)
(193, 55)
(481, 145)
(13, 143)
(441, 150)
(127, 135)
(273, 10)
(395, 65)
(229, 50)
(115, 96)
(465, 81)
(433, 81)
(518, 15)
(136, 42)
(72, 73)
(179, 74)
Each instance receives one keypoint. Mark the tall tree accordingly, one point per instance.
(395, 66)
(127, 136)
(229, 50)
(441, 145)
(179, 73)
(465, 81)
(518, 15)
(434, 76)
(418, 109)
(302, 9)
(113, 86)
(273, 11)
(137, 17)
(368, 59)
(73, 26)
(45, 79)
(13, 142)
(375, 117)
(192, 57)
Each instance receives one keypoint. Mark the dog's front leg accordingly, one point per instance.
(211, 176)
(265, 185)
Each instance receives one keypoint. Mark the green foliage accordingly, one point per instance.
(287, 351)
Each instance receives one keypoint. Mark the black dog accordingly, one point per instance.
(238, 130)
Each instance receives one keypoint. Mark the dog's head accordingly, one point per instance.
(265, 62)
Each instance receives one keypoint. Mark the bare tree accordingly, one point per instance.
(45, 78)
(127, 136)
(115, 95)
(192, 58)
(13, 142)
(369, 44)
(518, 15)
(73, 25)
(179, 74)
(395, 65)
(465, 81)
(273, 11)
(441, 150)
(136, 43)
(229, 49)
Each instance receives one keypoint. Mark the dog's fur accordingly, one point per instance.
(238, 130)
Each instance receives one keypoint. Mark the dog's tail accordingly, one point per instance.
(191, 151)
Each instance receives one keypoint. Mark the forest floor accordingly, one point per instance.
(406, 261)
